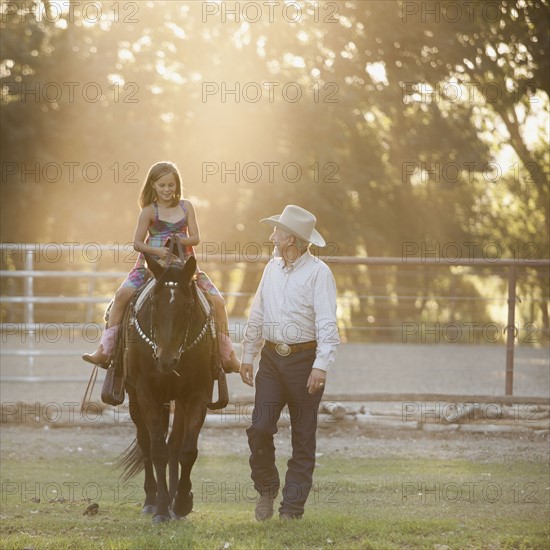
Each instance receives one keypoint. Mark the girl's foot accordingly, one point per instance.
(102, 354)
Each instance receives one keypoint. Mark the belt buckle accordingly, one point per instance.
(282, 349)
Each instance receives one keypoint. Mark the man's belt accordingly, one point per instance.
(286, 349)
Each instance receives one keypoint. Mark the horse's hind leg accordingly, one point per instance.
(150, 485)
(193, 421)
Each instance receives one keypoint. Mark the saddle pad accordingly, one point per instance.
(205, 304)
(143, 294)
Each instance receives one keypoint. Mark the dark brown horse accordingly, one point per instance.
(169, 346)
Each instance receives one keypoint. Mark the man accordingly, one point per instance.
(293, 316)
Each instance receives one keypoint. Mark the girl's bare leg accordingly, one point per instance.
(122, 297)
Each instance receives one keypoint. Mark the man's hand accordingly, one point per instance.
(316, 380)
(247, 374)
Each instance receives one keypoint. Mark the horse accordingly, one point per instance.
(168, 358)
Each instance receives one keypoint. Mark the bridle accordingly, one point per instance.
(185, 347)
(189, 303)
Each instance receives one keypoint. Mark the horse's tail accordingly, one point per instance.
(131, 460)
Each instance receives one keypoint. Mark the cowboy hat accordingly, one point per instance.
(299, 222)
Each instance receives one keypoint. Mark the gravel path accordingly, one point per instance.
(22, 442)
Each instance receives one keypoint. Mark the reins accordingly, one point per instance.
(172, 242)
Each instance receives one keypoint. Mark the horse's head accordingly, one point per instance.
(172, 301)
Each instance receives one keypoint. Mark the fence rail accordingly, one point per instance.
(29, 274)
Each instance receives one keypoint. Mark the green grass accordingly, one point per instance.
(356, 503)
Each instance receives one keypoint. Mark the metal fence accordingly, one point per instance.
(510, 269)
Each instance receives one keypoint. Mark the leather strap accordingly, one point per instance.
(293, 348)
(173, 242)
(89, 389)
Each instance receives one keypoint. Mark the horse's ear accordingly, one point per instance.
(189, 270)
(153, 265)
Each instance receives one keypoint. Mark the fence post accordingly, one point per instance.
(29, 306)
(511, 330)
(90, 308)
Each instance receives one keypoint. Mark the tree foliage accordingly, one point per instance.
(401, 131)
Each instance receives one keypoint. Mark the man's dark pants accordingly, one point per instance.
(281, 381)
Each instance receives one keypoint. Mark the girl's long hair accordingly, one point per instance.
(156, 172)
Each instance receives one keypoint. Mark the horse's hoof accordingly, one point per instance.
(175, 516)
(160, 519)
(149, 509)
(183, 506)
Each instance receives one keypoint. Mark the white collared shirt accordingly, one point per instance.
(294, 304)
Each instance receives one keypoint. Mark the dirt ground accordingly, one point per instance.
(22, 442)
(452, 369)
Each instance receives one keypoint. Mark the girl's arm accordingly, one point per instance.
(192, 227)
(145, 219)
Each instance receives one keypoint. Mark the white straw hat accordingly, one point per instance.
(298, 221)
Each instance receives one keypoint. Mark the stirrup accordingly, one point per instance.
(112, 392)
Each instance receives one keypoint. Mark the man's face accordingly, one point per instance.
(279, 238)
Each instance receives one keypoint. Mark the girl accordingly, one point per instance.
(163, 214)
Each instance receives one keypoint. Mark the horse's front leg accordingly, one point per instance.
(195, 413)
(159, 457)
(159, 451)
(150, 484)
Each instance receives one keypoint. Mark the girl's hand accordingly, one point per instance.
(164, 254)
